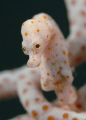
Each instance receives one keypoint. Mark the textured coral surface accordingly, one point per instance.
(50, 62)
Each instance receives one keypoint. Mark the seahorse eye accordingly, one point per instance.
(24, 49)
(37, 45)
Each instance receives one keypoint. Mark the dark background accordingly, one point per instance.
(12, 15)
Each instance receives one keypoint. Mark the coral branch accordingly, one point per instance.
(46, 47)
(9, 79)
(76, 41)
(38, 107)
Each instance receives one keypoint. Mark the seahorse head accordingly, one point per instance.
(36, 36)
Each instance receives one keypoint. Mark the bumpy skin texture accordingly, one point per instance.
(76, 41)
(51, 55)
